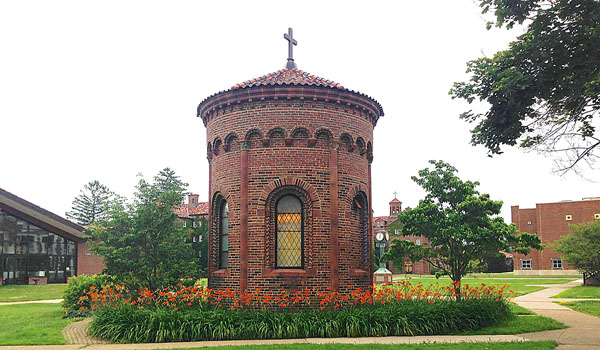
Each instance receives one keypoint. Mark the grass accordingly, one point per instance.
(519, 310)
(538, 345)
(518, 325)
(494, 275)
(29, 324)
(521, 286)
(590, 307)
(33, 292)
(580, 292)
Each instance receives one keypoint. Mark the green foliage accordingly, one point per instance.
(544, 90)
(91, 205)
(141, 243)
(201, 244)
(581, 247)
(127, 323)
(77, 288)
(459, 223)
(400, 250)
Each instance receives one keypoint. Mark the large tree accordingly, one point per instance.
(543, 91)
(461, 224)
(581, 248)
(141, 242)
(91, 204)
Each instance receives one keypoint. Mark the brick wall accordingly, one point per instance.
(549, 222)
(88, 263)
(321, 150)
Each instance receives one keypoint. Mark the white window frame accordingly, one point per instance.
(557, 264)
(526, 262)
(418, 241)
(184, 223)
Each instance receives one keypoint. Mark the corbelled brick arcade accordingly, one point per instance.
(290, 184)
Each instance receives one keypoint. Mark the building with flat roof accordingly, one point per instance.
(39, 247)
(550, 221)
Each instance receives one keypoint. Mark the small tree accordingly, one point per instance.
(141, 242)
(581, 248)
(459, 223)
(91, 205)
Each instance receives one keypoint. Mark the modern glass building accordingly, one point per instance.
(39, 247)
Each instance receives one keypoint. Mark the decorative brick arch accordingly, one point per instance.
(229, 141)
(311, 209)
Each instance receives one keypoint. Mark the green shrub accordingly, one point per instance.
(75, 296)
(128, 323)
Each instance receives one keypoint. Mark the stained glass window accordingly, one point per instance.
(224, 235)
(289, 232)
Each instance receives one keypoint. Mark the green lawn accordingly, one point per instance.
(493, 275)
(580, 292)
(518, 325)
(541, 345)
(521, 285)
(28, 324)
(33, 292)
(519, 310)
(590, 307)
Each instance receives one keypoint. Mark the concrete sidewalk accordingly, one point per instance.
(48, 301)
(366, 340)
(584, 331)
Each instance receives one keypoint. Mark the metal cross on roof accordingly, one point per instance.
(291, 42)
(395, 193)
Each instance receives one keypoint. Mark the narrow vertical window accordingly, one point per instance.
(289, 232)
(223, 235)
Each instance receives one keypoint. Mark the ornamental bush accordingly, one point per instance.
(196, 313)
(75, 297)
(407, 317)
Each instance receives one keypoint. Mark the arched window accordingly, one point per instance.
(360, 209)
(289, 233)
(223, 235)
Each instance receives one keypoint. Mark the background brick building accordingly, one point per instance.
(550, 221)
(290, 183)
(382, 222)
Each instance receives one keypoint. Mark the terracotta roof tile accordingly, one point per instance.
(395, 200)
(184, 212)
(288, 77)
(201, 209)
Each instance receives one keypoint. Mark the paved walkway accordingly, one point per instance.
(76, 333)
(49, 301)
(584, 331)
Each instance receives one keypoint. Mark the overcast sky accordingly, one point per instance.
(108, 89)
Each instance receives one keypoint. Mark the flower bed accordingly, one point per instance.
(197, 314)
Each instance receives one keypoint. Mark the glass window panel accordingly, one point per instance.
(224, 236)
(35, 240)
(70, 247)
(289, 204)
(70, 266)
(37, 265)
(289, 232)
(10, 235)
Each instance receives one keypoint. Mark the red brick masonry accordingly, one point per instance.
(313, 140)
(549, 222)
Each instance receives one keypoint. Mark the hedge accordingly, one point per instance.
(126, 323)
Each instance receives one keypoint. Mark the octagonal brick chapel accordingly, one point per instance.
(290, 184)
